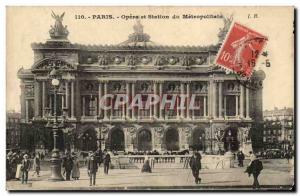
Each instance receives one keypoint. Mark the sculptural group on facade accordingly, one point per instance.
(58, 31)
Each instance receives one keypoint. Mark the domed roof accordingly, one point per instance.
(260, 74)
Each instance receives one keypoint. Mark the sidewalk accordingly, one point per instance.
(273, 176)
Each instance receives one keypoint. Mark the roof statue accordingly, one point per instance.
(138, 38)
(223, 31)
(58, 31)
(138, 27)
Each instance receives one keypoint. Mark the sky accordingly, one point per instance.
(26, 25)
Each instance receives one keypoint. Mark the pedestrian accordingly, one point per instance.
(255, 168)
(287, 156)
(92, 169)
(42, 156)
(8, 167)
(68, 165)
(195, 164)
(106, 162)
(17, 164)
(25, 167)
(99, 156)
(241, 157)
(36, 165)
(146, 166)
(76, 166)
(152, 162)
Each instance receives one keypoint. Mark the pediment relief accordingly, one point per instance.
(50, 63)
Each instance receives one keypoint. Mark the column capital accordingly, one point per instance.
(187, 82)
(103, 81)
(131, 81)
(157, 81)
(218, 80)
(160, 81)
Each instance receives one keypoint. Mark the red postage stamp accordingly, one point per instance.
(240, 50)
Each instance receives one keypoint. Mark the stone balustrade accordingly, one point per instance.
(172, 161)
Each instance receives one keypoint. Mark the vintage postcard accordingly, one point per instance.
(150, 98)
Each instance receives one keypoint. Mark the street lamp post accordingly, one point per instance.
(200, 143)
(55, 161)
(229, 141)
(211, 135)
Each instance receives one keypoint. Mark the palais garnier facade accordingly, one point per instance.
(224, 118)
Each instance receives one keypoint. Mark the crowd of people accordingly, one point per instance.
(71, 165)
(19, 164)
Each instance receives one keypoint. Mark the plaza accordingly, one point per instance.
(276, 175)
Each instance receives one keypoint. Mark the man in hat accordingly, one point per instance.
(92, 168)
(254, 168)
(25, 167)
(241, 157)
(68, 165)
(106, 161)
(195, 164)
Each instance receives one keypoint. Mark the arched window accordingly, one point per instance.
(144, 140)
(117, 141)
(197, 141)
(172, 139)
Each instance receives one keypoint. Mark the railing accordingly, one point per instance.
(156, 158)
(173, 161)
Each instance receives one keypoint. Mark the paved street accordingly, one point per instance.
(276, 172)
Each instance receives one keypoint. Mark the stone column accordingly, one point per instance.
(133, 111)
(209, 96)
(155, 105)
(83, 105)
(247, 103)
(151, 111)
(67, 98)
(160, 95)
(242, 101)
(182, 93)
(72, 100)
(44, 99)
(50, 105)
(106, 100)
(177, 106)
(129, 100)
(123, 110)
(23, 102)
(236, 105)
(62, 102)
(100, 86)
(220, 100)
(188, 93)
(214, 100)
(225, 106)
(77, 99)
(112, 107)
(37, 99)
(26, 111)
(204, 106)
